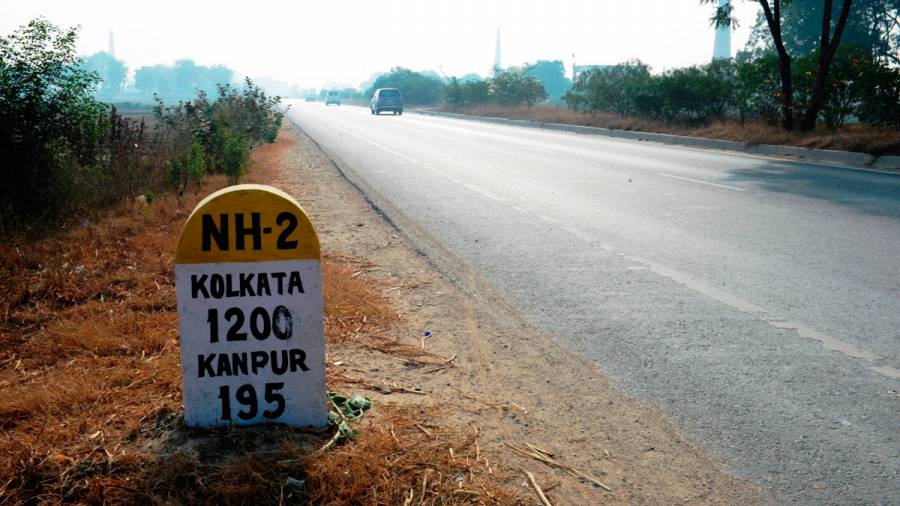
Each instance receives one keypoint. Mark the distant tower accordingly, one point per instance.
(497, 62)
(112, 45)
(722, 48)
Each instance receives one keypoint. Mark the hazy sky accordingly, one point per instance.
(319, 42)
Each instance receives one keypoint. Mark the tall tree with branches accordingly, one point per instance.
(828, 45)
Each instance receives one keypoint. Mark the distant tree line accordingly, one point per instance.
(523, 85)
(859, 87)
(180, 81)
(65, 152)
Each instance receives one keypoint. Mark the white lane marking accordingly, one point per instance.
(540, 150)
(700, 208)
(888, 371)
(548, 219)
(830, 343)
(482, 191)
(577, 233)
(692, 180)
(379, 146)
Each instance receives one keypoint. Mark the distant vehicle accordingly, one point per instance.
(386, 99)
(310, 98)
(332, 98)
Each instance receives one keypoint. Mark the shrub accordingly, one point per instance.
(509, 88)
(235, 155)
(65, 153)
(196, 163)
(50, 126)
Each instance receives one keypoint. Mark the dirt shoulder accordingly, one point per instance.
(512, 383)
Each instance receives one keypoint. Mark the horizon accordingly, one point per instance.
(463, 42)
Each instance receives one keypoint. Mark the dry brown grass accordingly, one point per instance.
(860, 138)
(90, 384)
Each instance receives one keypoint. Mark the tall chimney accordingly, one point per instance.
(497, 61)
(722, 47)
(112, 45)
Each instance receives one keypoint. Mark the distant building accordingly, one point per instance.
(112, 45)
(722, 47)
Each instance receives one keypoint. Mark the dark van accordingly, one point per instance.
(386, 99)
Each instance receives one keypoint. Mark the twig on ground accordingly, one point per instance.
(537, 488)
(555, 463)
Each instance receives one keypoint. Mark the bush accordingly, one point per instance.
(50, 126)
(219, 134)
(65, 153)
(858, 87)
(509, 88)
(235, 155)
(515, 87)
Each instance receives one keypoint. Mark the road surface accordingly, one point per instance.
(756, 301)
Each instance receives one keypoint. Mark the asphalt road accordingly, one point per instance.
(756, 301)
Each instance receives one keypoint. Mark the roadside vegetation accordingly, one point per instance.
(90, 383)
(826, 76)
(66, 154)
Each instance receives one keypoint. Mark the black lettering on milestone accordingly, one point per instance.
(279, 368)
(210, 232)
(280, 277)
(216, 286)
(255, 231)
(258, 360)
(224, 368)
(295, 283)
(298, 358)
(239, 363)
(205, 365)
(198, 285)
(246, 287)
(262, 285)
(229, 289)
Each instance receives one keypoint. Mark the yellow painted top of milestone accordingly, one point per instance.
(247, 223)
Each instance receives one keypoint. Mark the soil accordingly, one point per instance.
(513, 384)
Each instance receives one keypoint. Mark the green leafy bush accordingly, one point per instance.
(50, 126)
(64, 152)
(235, 155)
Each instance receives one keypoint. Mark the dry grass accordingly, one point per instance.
(860, 138)
(90, 384)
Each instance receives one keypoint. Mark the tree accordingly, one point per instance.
(112, 73)
(609, 88)
(453, 94)
(416, 87)
(514, 87)
(553, 76)
(827, 46)
(872, 26)
(49, 120)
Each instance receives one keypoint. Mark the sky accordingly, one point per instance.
(322, 43)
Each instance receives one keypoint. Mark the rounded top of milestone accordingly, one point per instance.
(247, 223)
